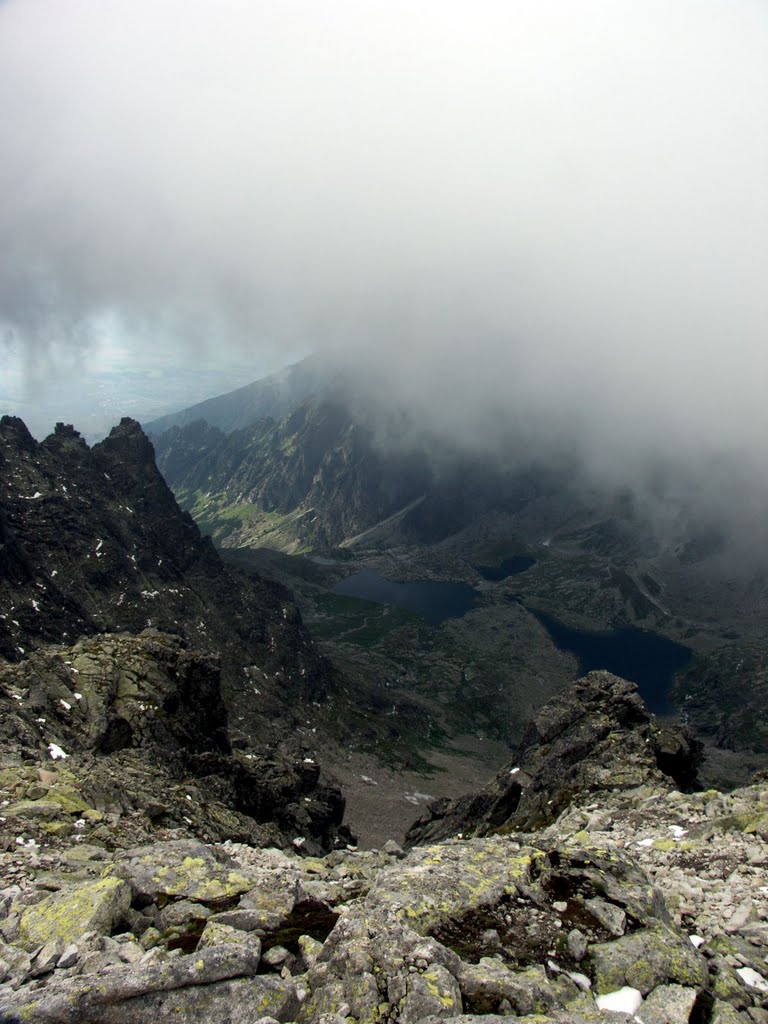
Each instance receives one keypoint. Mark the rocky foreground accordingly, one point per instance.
(630, 899)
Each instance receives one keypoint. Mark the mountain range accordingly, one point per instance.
(342, 490)
(172, 844)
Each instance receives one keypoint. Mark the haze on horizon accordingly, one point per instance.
(536, 213)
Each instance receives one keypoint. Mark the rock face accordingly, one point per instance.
(166, 662)
(324, 473)
(92, 540)
(595, 736)
(133, 729)
(318, 474)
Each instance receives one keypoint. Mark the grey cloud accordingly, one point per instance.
(542, 213)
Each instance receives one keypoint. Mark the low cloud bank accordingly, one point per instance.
(531, 216)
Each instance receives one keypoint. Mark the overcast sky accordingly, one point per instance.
(550, 209)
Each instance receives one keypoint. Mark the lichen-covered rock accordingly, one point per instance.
(646, 959)
(434, 992)
(182, 869)
(488, 984)
(65, 915)
(182, 913)
(615, 896)
(167, 990)
(215, 934)
(724, 1013)
(669, 1004)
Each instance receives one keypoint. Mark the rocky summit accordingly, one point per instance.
(629, 900)
(166, 684)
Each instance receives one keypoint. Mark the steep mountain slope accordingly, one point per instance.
(94, 545)
(324, 476)
(273, 396)
(94, 541)
(314, 479)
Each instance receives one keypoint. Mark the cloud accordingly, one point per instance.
(537, 212)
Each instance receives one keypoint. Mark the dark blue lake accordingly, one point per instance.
(509, 567)
(433, 601)
(645, 658)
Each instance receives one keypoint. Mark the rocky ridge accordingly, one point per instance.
(595, 735)
(634, 898)
(124, 738)
(92, 540)
(129, 649)
(314, 478)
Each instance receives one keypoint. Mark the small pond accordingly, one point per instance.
(645, 658)
(434, 601)
(509, 567)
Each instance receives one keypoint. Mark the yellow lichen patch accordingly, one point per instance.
(435, 889)
(68, 798)
(313, 866)
(65, 915)
(194, 878)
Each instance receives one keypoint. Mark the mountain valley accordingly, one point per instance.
(193, 737)
(324, 493)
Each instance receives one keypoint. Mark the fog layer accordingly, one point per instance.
(542, 212)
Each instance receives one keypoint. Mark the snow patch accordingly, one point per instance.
(752, 978)
(56, 752)
(623, 1000)
(415, 797)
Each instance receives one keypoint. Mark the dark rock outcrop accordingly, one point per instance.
(596, 735)
(320, 465)
(133, 730)
(93, 544)
(92, 540)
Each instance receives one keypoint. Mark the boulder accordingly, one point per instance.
(186, 988)
(646, 959)
(65, 915)
(180, 870)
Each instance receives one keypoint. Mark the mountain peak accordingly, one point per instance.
(14, 429)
